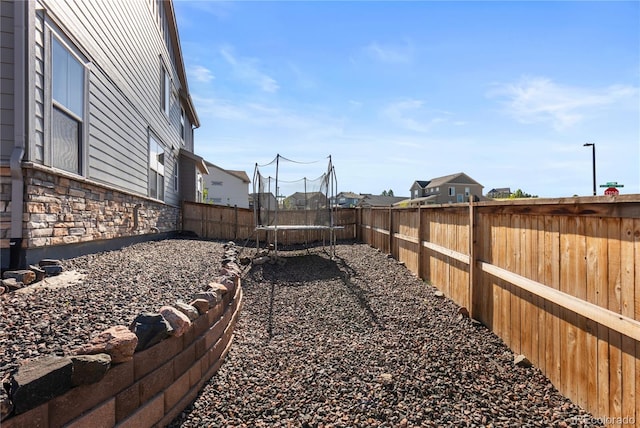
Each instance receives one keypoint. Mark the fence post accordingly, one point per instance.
(419, 241)
(472, 259)
(235, 229)
(370, 223)
(390, 230)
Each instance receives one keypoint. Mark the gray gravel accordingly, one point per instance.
(360, 341)
(116, 287)
(354, 341)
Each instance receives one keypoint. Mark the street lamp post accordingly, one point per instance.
(593, 152)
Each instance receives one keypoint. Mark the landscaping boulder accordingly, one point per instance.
(150, 328)
(40, 380)
(89, 368)
(178, 321)
(24, 276)
(119, 342)
(190, 311)
(211, 297)
(202, 305)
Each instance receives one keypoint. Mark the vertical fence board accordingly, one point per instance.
(552, 276)
(505, 292)
(567, 329)
(602, 296)
(615, 338)
(513, 265)
(627, 295)
(593, 269)
(636, 282)
(528, 314)
(541, 325)
(580, 291)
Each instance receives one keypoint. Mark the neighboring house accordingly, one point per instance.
(226, 187)
(454, 188)
(309, 201)
(346, 199)
(379, 200)
(96, 127)
(502, 192)
(192, 181)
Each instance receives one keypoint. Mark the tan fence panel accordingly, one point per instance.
(406, 242)
(586, 248)
(222, 222)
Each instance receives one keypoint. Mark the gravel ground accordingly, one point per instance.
(353, 341)
(116, 287)
(361, 341)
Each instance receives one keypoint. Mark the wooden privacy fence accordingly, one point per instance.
(558, 280)
(233, 223)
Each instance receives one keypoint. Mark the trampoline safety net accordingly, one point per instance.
(285, 199)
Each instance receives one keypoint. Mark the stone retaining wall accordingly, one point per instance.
(152, 388)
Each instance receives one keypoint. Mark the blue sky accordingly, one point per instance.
(507, 92)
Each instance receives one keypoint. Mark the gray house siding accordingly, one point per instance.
(125, 59)
(121, 49)
(6, 81)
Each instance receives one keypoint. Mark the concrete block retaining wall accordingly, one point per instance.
(152, 388)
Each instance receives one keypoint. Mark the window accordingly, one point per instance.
(467, 191)
(216, 183)
(156, 169)
(165, 91)
(452, 191)
(460, 197)
(176, 176)
(199, 188)
(68, 105)
(182, 128)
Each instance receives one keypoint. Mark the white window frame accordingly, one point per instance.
(467, 191)
(183, 128)
(452, 191)
(78, 115)
(176, 176)
(157, 159)
(165, 90)
(199, 187)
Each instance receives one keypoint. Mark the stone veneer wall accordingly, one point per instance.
(65, 209)
(5, 206)
(153, 388)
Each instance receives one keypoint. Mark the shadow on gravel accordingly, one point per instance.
(345, 274)
(297, 270)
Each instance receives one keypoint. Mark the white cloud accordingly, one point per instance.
(260, 117)
(201, 74)
(247, 70)
(217, 8)
(539, 99)
(411, 115)
(390, 53)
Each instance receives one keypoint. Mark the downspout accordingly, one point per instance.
(20, 111)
